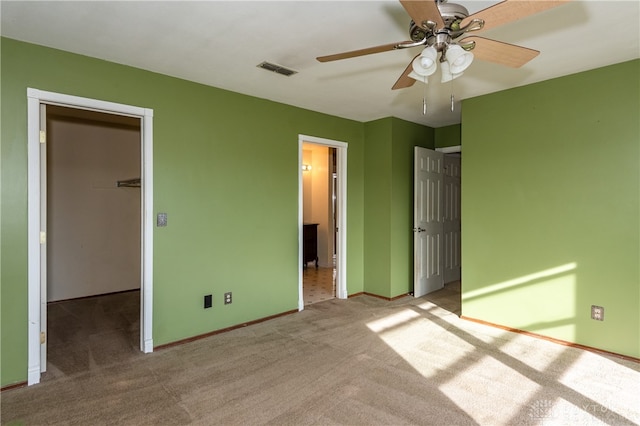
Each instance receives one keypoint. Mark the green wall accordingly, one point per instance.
(448, 136)
(551, 208)
(553, 183)
(389, 203)
(225, 172)
(377, 221)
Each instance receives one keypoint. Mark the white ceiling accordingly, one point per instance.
(219, 43)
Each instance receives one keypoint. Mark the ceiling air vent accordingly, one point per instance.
(277, 69)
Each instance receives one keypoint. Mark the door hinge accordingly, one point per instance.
(43, 237)
(43, 337)
(43, 136)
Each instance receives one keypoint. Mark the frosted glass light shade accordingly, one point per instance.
(425, 64)
(420, 78)
(447, 75)
(458, 58)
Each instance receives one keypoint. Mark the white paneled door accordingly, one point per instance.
(428, 221)
(451, 219)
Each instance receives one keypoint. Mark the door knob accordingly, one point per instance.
(418, 230)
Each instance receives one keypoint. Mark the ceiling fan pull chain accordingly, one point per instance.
(452, 96)
(424, 98)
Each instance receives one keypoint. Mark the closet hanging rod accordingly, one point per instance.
(131, 183)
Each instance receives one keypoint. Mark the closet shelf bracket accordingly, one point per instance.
(130, 183)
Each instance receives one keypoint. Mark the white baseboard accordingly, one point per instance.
(33, 376)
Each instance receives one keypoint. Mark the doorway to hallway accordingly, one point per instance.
(318, 217)
(322, 213)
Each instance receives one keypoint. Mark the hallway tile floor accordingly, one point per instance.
(319, 284)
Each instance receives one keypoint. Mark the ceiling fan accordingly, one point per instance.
(442, 27)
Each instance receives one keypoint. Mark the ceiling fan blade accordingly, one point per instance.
(405, 80)
(423, 10)
(499, 52)
(511, 11)
(360, 52)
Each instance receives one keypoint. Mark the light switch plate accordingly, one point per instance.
(162, 219)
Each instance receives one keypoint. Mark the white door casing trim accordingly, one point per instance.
(34, 98)
(341, 223)
(450, 149)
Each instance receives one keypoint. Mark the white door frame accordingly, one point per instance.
(450, 149)
(341, 222)
(36, 97)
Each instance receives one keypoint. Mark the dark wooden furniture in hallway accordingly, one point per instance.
(310, 243)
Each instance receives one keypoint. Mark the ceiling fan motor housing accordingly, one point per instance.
(452, 14)
(440, 41)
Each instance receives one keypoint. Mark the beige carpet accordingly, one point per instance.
(87, 334)
(361, 361)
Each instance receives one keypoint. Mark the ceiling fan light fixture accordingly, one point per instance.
(458, 58)
(447, 75)
(425, 64)
(417, 77)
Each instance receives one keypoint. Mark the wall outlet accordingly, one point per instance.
(597, 313)
(208, 301)
(227, 298)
